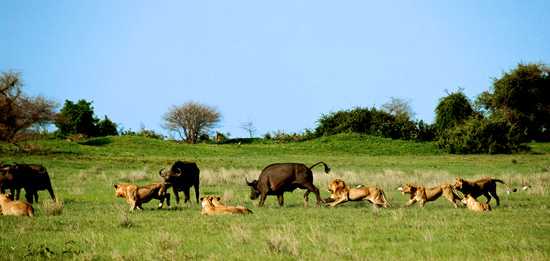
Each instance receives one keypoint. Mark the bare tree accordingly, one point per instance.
(399, 108)
(191, 119)
(19, 112)
(249, 127)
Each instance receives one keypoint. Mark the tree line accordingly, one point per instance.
(515, 110)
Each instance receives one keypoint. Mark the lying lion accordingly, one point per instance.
(475, 205)
(136, 195)
(11, 207)
(422, 194)
(211, 205)
(486, 186)
(340, 193)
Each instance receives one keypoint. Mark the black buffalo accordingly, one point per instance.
(182, 176)
(277, 178)
(31, 177)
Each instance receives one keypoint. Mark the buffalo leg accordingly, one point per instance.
(186, 194)
(262, 200)
(281, 200)
(311, 188)
(29, 195)
(494, 193)
(167, 199)
(486, 194)
(176, 195)
(50, 190)
(197, 192)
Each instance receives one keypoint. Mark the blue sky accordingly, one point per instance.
(278, 64)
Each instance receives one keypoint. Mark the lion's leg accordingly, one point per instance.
(451, 198)
(339, 201)
(410, 202)
(422, 203)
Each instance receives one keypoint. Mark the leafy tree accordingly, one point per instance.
(106, 127)
(77, 118)
(191, 119)
(19, 112)
(452, 110)
(481, 135)
(522, 97)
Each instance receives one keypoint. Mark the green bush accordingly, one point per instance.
(480, 135)
(373, 122)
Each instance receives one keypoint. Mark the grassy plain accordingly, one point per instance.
(95, 225)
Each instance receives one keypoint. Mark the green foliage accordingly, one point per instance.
(78, 118)
(143, 132)
(106, 127)
(452, 110)
(373, 122)
(480, 135)
(522, 97)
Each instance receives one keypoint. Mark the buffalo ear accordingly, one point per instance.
(248, 183)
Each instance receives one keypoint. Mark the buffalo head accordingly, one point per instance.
(254, 192)
(166, 174)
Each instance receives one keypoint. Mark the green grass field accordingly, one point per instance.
(96, 225)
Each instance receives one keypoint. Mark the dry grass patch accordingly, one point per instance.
(52, 207)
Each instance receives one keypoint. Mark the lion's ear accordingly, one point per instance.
(218, 198)
(201, 199)
(116, 186)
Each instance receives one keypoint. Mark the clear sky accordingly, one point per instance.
(278, 64)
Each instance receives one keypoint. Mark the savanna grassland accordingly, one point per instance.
(96, 225)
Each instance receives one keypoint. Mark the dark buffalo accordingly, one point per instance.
(277, 178)
(31, 177)
(182, 176)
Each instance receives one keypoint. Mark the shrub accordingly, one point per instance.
(480, 135)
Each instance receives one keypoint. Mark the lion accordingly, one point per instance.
(211, 205)
(475, 205)
(136, 195)
(422, 194)
(486, 186)
(340, 193)
(11, 207)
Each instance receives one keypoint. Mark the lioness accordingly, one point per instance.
(10, 207)
(340, 193)
(422, 194)
(136, 195)
(475, 205)
(483, 186)
(217, 208)
(216, 201)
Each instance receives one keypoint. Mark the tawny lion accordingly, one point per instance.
(422, 194)
(10, 207)
(340, 193)
(475, 205)
(136, 195)
(211, 205)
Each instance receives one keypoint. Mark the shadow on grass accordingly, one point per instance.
(102, 141)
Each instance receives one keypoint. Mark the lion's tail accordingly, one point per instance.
(508, 188)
